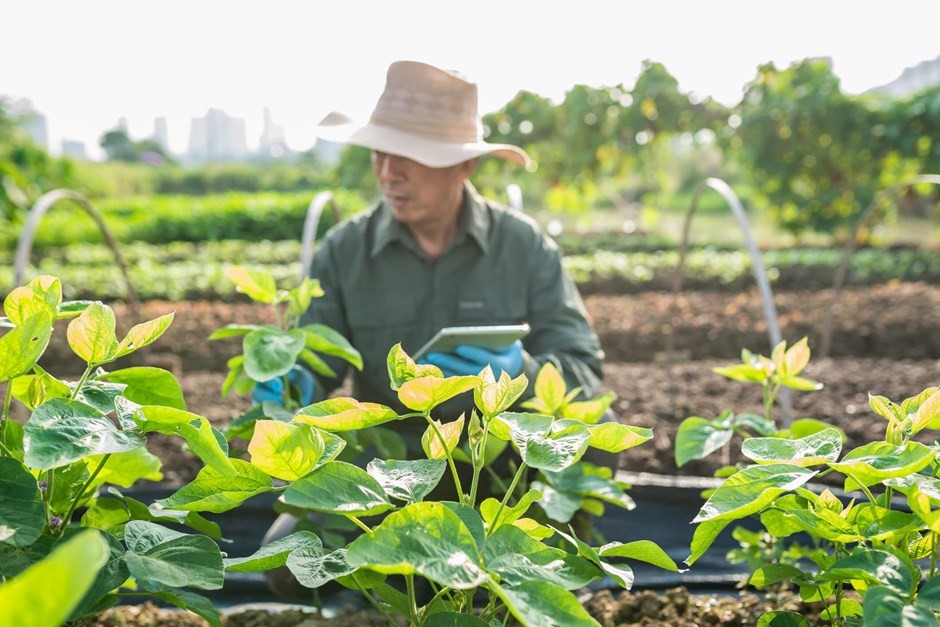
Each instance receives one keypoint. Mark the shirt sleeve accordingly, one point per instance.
(328, 310)
(561, 332)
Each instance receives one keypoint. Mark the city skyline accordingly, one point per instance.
(304, 60)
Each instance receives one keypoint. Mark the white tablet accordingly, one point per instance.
(491, 337)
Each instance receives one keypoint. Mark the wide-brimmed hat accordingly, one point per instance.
(425, 114)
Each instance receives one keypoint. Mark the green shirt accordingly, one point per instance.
(381, 289)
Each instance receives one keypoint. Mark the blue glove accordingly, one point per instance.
(470, 360)
(273, 389)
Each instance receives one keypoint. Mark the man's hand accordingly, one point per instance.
(273, 390)
(470, 360)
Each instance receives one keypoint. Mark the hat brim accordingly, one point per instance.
(425, 150)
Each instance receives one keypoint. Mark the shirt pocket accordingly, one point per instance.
(488, 308)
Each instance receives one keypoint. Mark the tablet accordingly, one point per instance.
(491, 337)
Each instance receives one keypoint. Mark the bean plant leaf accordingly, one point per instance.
(44, 293)
(344, 414)
(91, 335)
(876, 567)
(744, 373)
(771, 574)
(523, 424)
(328, 341)
(590, 481)
(312, 566)
(35, 389)
(285, 451)
(155, 553)
(925, 409)
(271, 352)
(818, 448)
(885, 408)
(494, 396)
(556, 451)
(273, 554)
(427, 539)
(70, 569)
(590, 411)
(258, 285)
(517, 557)
(408, 481)
(62, 431)
(453, 619)
(22, 513)
(338, 488)
(149, 386)
(110, 577)
(425, 393)
(698, 437)
(544, 604)
(142, 334)
(885, 607)
(929, 594)
(641, 550)
(748, 491)
(234, 330)
(550, 392)
(874, 462)
(440, 439)
(189, 601)
(402, 368)
(615, 437)
(124, 469)
(14, 559)
(622, 574)
(782, 618)
(508, 514)
(704, 536)
(21, 347)
(196, 430)
(217, 492)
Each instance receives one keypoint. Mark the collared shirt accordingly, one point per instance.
(382, 289)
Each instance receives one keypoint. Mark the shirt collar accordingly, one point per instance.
(474, 222)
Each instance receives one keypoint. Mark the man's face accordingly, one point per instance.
(417, 194)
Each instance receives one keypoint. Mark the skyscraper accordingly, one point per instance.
(217, 137)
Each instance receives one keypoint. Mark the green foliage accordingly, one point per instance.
(81, 436)
(872, 544)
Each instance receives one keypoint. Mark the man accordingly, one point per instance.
(432, 253)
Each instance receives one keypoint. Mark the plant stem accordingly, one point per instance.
(375, 603)
(81, 382)
(450, 458)
(862, 486)
(78, 497)
(7, 400)
(412, 601)
(359, 523)
(476, 458)
(505, 500)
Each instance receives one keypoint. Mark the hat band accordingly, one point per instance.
(431, 119)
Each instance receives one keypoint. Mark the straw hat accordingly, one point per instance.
(425, 114)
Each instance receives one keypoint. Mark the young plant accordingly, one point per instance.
(466, 550)
(80, 437)
(885, 548)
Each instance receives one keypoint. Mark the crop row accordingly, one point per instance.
(197, 271)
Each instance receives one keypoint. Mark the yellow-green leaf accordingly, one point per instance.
(285, 451)
(258, 285)
(91, 335)
(450, 431)
(344, 414)
(143, 334)
(426, 393)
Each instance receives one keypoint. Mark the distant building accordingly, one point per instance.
(74, 149)
(924, 75)
(272, 144)
(328, 151)
(217, 137)
(36, 126)
(161, 135)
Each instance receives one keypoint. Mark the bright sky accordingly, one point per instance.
(87, 64)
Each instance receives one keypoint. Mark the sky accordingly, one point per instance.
(85, 65)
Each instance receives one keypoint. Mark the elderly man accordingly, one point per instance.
(432, 253)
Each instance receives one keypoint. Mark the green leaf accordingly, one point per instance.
(587, 480)
(782, 618)
(845, 608)
(642, 550)
(926, 410)
(71, 308)
(884, 607)
(621, 574)
(234, 330)
(885, 408)
(550, 389)
(494, 397)
(874, 462)
(217, 492)
(929, 594)
(453, 619)
(149, 386)
(801, 384)
(314, 567)
(697, 437)
(258, 285)
(523, 424)
(34, 390)
(44, 293)
(270, 352)
(771, 574)
(338, 488)
(750, 490)
(91, 335)
(190, 601)
(516, 558)
(21, 347)
(14, 559)
(344, 414)
(110, 577)
(70, 570)
(285, 451)
(61, 431)
(99, 394)
(615, 437)
(432, 443)
(22, 513)
(316, 364)
(142, 334)
(155, 553)
(408, 481)
(556, 451)
(877, 568)
(327, 341)
(125, 469)
(509, 514)
(427, 539)
(704, 536)
(425, 393)
(745, 373)
(544, 604)
(589, 411)
(817, 448)
(402, 368)
(196, 430)
(272, 555)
